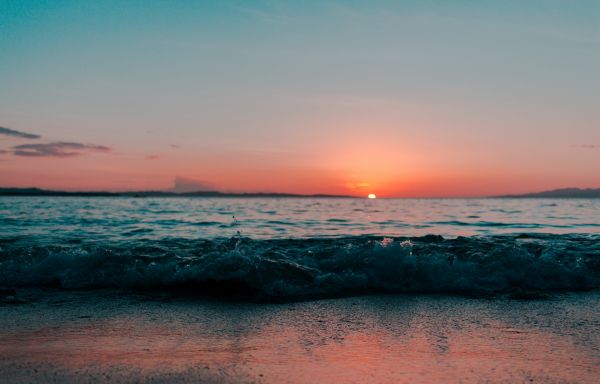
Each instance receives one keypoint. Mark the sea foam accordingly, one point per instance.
(307, 268)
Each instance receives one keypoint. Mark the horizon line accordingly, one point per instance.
(36, 191)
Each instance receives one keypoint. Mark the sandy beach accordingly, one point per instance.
(111, 336)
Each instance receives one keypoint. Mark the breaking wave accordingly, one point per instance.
(310, 268)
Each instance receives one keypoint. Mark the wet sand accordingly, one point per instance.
(110, 336)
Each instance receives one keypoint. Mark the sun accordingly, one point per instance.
(372, 196)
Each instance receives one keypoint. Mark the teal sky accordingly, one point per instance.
(406, 98)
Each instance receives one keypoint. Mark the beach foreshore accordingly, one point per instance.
(114, 336)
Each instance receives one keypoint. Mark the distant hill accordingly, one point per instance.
(45, 192)
(563, 193)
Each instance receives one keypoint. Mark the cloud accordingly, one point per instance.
(589, 146)
(12, 132)
(183, 185)
(57, 149)
(270, 14)
(152, 157)
(53, 149)
(175, 146)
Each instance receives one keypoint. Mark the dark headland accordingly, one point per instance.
(45, 192)
(563, 193)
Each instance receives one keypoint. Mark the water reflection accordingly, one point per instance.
(375, 338)
(157, 218)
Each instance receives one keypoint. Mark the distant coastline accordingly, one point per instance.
(46, 192)
(563, 193)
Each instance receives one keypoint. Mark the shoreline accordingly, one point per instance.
(112, 336)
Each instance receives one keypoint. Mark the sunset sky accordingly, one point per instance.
(397, 98)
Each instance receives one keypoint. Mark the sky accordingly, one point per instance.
(398, 98)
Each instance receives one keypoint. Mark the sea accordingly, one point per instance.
(299, 290)
(290, 248)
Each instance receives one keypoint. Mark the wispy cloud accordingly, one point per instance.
(14, 133)
(57, 149)
(588, 146)
(269, 12)
(152, 157)
(175, 146)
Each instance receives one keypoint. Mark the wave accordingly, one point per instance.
(459, 223)
(310, 268)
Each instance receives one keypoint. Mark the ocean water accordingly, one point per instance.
(300, 248)
(126, 290)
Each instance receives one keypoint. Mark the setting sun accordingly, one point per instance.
(372, 196)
